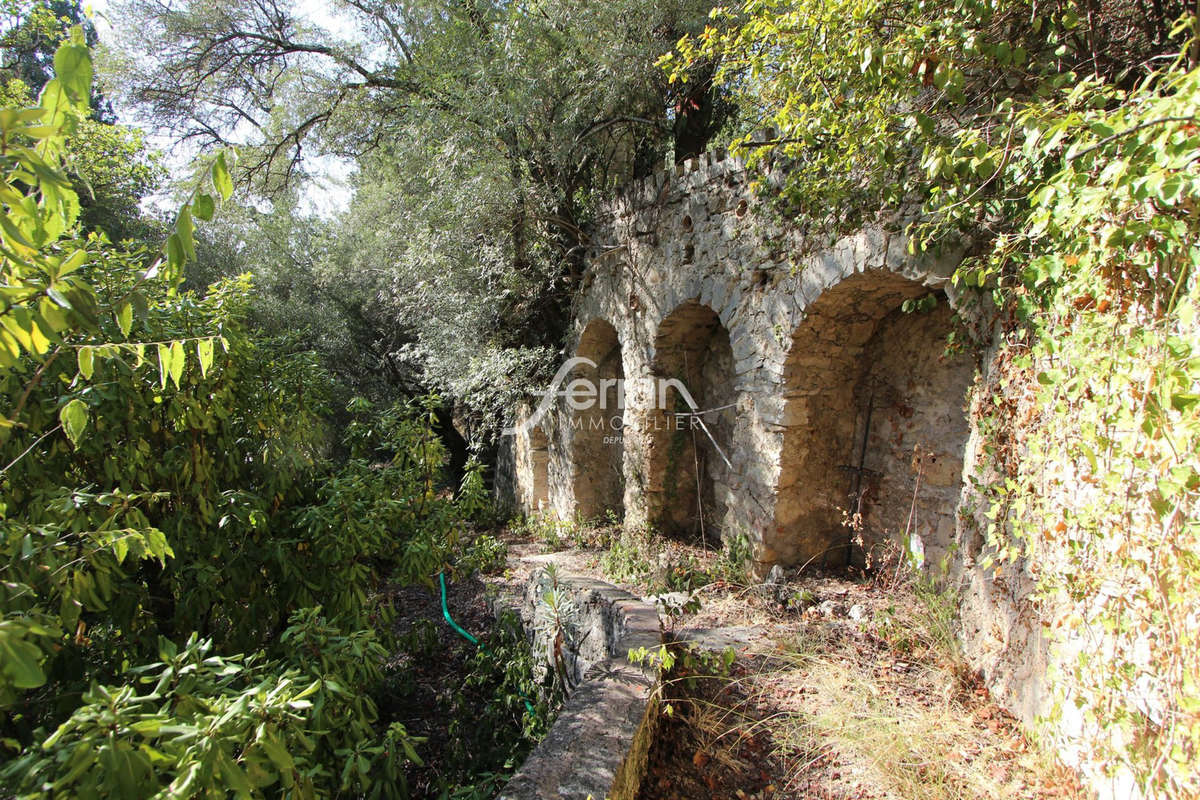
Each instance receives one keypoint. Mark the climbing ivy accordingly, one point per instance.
(1100, 475)
(1056, 145)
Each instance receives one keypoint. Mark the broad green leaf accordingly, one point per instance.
(278, 754)
(73, 68)
(164, 364)
(59, 105)
(86, 363)
(178, 361)
(120, 547)
(186, 231)
(74, 418)
(39, 337)
(176, 254)
(125, 318)
(234, 777)
(204, 207)
(204, 353)
(222, 180)
(21, 662)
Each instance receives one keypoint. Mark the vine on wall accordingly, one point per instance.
(1061, 139)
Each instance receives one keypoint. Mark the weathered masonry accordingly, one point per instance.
(726, 377)
(821, 400)
(819, 396)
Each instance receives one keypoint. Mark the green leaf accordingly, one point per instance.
(278, 754)
(1171, 188)
(234, 777)
(120, 548)
(204, 207)
(73, 69)
(86, 362)
(222, 180)
(58, 104)
(176, 255)
(125, 318)
(74, 418)
(204, 352)
(186, 231)
(178, 360)
(22, 663)
(164, 364)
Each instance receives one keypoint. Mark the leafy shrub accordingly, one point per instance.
(501, 712)
(168, 481)
(485, 554)
(205, 724)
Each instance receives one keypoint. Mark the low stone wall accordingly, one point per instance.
(598, 745)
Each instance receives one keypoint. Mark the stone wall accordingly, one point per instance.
(826, 401)
(522, 470)
(693, 278)
(599, 743)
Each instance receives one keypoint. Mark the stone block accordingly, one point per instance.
(598, 745)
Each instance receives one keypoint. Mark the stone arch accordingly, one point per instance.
(688, 486)
(533, 460)
(873, 423)
(597, 450)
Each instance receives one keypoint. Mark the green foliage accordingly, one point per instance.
(69, 306)
(903, 101)
(1103, 267)
(30, 34)
(485, 554)
(167, 480)
(502, 712)
(195, 723)
(547, 528)
(302, 297)
(690, 657)
(646, 558)
(731, 566)
(1063, 139)
(111, 171)
(632, 557)
(475, 184)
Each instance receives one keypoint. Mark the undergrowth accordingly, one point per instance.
(645, 558)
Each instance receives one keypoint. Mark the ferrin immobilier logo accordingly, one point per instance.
(586, 396)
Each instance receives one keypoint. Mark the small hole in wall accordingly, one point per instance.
(687, 223)
(689, 254)
(742, 208)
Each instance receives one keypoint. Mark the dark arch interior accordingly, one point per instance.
(874, 426)
(689, 478)
(597, 444)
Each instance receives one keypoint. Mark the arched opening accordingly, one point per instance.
(689, 477)
(597, 444)
(534, 465)
(875, 425)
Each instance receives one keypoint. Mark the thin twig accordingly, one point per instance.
(36, 442)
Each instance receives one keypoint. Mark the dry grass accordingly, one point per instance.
(822, 707)
(900, 743)
(882, 709)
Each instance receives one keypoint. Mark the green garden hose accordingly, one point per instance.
(449, 619)
(467, 636)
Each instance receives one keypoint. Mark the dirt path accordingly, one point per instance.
(839, 687)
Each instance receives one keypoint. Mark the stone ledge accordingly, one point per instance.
(598, 745)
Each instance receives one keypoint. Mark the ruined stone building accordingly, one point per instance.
(747, 382)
